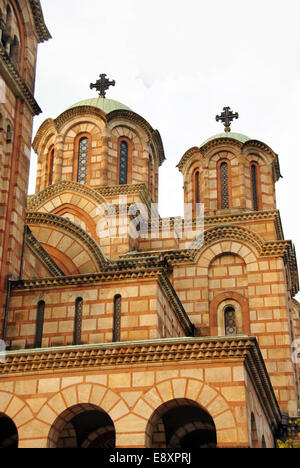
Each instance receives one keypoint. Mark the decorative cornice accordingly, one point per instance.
(111, 191)
(34, 202)
(42, 254)
(180, 351)
(178, 308)
(44, 128)
(243, 217)
(115, 270)
(15, 81)
(187, 156)
(257, 145)
(40, 26)
(36, 218)
(220, 142)
(79, 111)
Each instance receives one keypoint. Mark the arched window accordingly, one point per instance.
(50, 167)
(150, 174)
(254, 186)
(117, 318)
(39, 325)
(224, 185)
(123, 162)
(83, 156)
(9, 132)
(197, 193)
(78, 321)
(230, 321)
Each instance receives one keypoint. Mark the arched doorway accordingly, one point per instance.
(83, 426)
(8, 433)
(182, 424)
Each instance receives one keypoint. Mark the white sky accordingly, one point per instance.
(178, 64)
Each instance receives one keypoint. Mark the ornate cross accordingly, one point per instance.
(102, 85)
(227, 117)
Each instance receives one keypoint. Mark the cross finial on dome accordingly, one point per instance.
(227, 117)
(102, 85)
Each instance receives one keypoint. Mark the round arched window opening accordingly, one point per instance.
(230, 321)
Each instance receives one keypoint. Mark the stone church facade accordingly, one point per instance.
(123, 329)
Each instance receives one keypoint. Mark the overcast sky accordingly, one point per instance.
(178, 64)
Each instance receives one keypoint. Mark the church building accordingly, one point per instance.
(121, 328)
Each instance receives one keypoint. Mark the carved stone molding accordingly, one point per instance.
(42, 255)
(36, 201)
(15, 81)
(36, 218)
(178, 351)
(40, 26)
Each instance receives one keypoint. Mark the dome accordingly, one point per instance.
(235, 136)
(106, 105)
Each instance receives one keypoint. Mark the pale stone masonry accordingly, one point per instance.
(137, 337)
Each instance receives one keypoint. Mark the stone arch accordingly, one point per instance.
(224, 299)
(71, 428)
(82, 396)
(92, 438)
(228, 239)
(187, 429)
(77, 125)
(176, 419)
(8, 433)
(187, 388)
(19, 414)
(53, 195)
(63, 239)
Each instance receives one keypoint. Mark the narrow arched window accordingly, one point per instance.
(230, 321)
(150, 174)
(83, 156)
(123, 164)
(39, 325)
(224, 185)
(117, 318)
(50, 167)
(197, 193)
(9, 133)
(254, 186)
(78, 321)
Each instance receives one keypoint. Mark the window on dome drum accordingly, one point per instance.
(78, 321)
(230, 321)
(197, 193)
(224, 179)
(50, 167)
(39, 325)
(123, 169)
(83, 156)
(254, 186)
(117, 318)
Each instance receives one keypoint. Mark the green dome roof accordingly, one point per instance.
(106, 105)
(234, 136)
